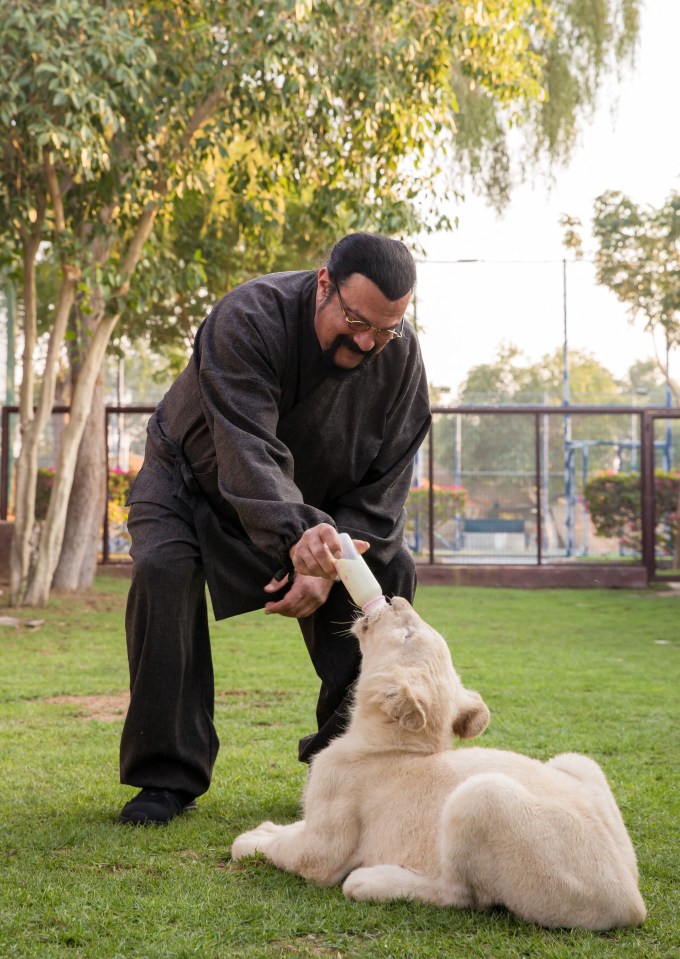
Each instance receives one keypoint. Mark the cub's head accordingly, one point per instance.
(408, 691)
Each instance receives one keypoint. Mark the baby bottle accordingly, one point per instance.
(360, 582)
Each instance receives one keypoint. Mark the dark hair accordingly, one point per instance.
(385, 261)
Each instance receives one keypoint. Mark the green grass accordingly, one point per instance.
(595, 671)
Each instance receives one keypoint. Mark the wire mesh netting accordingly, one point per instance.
(491, 486)
(526, 487)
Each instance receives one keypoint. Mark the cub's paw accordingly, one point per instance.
(370, 882)
(256, 840)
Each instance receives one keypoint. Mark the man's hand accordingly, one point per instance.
(313, 557)
(315, 551)
(303, 598)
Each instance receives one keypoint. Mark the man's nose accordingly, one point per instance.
(364, 340)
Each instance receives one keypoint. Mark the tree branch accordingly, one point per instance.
(136, 246)
(31, 245)
(200, 116)
(203, 112)
(56, 341)
(54, 191)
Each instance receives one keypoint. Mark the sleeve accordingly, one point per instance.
(240, 388)
(374, 509)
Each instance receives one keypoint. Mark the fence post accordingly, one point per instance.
(105, 525)
(647, 497)
(430, 501)
(539, 487)
(4, 464)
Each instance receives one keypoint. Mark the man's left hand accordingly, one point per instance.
(304, 597)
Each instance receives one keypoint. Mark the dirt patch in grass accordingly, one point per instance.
(107, 709)
(112, 708)
(309, 945)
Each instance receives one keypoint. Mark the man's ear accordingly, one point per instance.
(472, 717)
(400, 702)
(324, 285)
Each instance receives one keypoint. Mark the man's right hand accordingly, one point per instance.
(302, 599)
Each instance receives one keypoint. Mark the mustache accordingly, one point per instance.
(343, 340)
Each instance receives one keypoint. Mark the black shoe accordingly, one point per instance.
(156, 806)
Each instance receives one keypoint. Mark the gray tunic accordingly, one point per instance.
(278, 440)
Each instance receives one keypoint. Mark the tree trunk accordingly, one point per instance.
(52, 537)
(34, 587)
(676, 557)
(23, 540)
(62, 397)
(82, 533)
(26, 533)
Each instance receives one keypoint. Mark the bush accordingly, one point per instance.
(119, 487)
(613, 501)
(449, 501)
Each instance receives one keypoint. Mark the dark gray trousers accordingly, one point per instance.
(169, 738)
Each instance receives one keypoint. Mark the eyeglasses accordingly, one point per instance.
(361, 326)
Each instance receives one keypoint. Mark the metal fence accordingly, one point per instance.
(493, 486)
(507, 485)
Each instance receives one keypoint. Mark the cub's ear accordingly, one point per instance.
(400, 702)
(472, 717)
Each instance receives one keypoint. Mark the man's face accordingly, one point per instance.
(362, 301)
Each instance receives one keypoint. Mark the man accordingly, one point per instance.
(298, 416)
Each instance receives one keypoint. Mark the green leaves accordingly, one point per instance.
(74, 67)
(257, 132)
(613, 501)
(354, 98)
(638, 258)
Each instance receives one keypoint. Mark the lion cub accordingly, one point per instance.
(396, 813)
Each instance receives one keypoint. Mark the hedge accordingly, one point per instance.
(613, 501)
(449, 501)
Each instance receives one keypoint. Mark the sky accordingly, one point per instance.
(515, 294)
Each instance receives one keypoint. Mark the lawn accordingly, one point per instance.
(594, 671)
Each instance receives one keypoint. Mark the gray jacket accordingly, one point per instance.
(277, 439)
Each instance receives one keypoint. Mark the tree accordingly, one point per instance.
(646, 383)
(112, 116)
(502, 447)
(512, 379)
(638, 259)
(578, 44)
